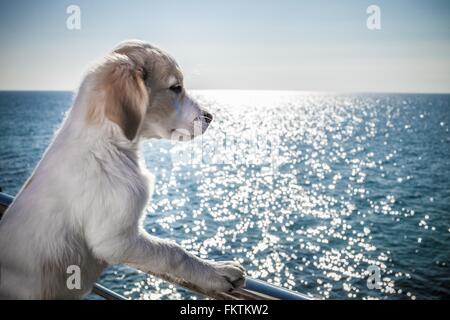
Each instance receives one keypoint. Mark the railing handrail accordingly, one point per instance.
(106, 293)
(253, 289)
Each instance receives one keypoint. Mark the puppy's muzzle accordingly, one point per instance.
(208, 117)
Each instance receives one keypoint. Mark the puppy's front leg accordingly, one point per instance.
(158, 256)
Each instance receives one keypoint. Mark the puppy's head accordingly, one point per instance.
(145, 94)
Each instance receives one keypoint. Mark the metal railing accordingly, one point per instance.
(253, 289)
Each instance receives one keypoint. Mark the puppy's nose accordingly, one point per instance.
(208, 117)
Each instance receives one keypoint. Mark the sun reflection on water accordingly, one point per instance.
(335, 205)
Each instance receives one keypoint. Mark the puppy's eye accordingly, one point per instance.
(176, 88)
(144, 74)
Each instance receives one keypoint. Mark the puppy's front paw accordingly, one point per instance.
(223, 276)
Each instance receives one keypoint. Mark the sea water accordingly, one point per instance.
(316, 192)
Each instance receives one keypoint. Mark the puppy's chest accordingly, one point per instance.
(122, 191)
(140, 189)
(149, 180)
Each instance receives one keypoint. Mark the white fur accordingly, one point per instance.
(83, 206)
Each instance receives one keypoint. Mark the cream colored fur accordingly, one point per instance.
(84, 203)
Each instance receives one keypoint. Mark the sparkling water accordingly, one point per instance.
(319, 193)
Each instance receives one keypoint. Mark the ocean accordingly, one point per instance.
(316, 192)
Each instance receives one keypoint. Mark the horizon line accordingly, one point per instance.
(258, 90)
(262, 90)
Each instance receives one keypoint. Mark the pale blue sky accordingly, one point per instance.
(319, 45)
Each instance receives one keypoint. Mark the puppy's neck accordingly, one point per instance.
(88, 120)
(103, 139)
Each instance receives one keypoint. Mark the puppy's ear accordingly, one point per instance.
(126, 94)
